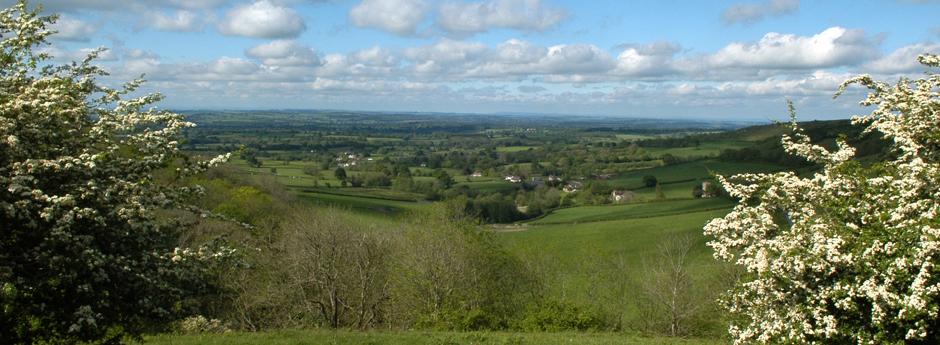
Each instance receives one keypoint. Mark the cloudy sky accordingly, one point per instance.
(676, 59)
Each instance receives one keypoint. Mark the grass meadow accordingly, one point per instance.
(343, 337)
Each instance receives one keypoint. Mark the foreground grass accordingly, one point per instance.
(316, 336)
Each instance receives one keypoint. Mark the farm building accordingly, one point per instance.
(622, 196)
(573, 186)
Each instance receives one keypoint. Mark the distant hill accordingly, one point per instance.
(762, 143)
(767, 144)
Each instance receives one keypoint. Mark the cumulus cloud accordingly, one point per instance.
(531, 88)
(262, 19)
(516, 51)
(511, 60)
(902, 60)
(575, 58)
(182, 21)
(446, 56)
(232, 66)
(57, 53)
(375, 62)
(835, 46)
(467, 18)
(754, 12)
(71, 29)
(655, 59)
(400, 17)
(122, 5)
(284, 53)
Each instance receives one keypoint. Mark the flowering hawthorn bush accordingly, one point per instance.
(850, 254)
(83, 255)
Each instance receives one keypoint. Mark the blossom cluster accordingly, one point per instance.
(84, 172)
(848, 254)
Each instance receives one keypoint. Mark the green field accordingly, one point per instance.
(630, 211)
(706, 149)
(490, 186)
(685, 172)
(570, 252)
(514, 148)
(635, 238)
(300, 337)
(671, 190)
(359, 203)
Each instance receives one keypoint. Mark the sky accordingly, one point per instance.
(733, 60)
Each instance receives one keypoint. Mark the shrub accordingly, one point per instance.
(554, 316)
(85, 175)
(849, 254)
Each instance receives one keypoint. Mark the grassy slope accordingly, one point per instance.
(688, 171)
(359, 203)
(298, 337)
(709, 148)
(635, 238)
(635, 210)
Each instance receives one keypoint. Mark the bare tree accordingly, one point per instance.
(669, 298)
(335, 269)
(610, 287)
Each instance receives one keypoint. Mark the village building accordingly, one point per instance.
(622, 196)
(514, 179)
(708, 191)
(573, 186)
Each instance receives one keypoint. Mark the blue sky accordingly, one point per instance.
(675, 59)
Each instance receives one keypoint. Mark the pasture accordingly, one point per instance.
(583, 214)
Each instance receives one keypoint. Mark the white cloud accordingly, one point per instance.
(530, 88)
(148, 65)
(400, 17)
(262, 19)
(654, 59)
(326, 84)
(447, 50)
(754, 12)
(373, 62)
(511, 59)
(902, 60)
(232, 66)
(65, 55)
(182, 20)
(284, 53)
(834, 46)
(140, 54)
(516, 51)
(375, 56)
(576, 58)
(446, 57)
(467, 18)
(70, 29)
(122, 5)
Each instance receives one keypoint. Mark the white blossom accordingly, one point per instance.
(847, 254)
